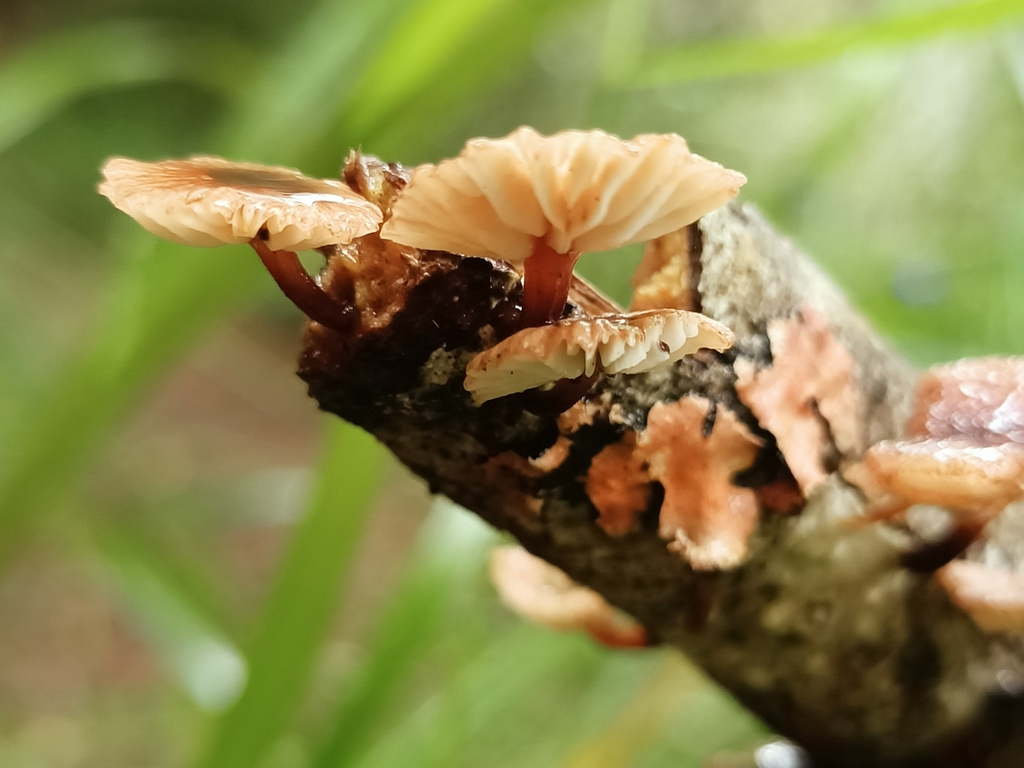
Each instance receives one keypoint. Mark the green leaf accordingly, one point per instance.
(302, 601)
(209, 666)
(451, 543)
(492, 53)
(429, 35)
(43, 77)
(159, 307)
(700, 61)
(308, 87)
(482, 699)
(162, 302)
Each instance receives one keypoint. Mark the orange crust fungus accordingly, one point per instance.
(806, 397)
(619, 486)
(993, 598)
(705, 517)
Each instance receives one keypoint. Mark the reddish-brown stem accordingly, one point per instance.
(933, 555)
(627, 635)
(545, 285)
(559, 398)
(293, 280)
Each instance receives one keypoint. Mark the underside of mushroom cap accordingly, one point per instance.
(545, 595)
(208, 201)
(576, 191)
(954, 473)
(625, 343)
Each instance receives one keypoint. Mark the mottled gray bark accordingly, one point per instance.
(821, 632)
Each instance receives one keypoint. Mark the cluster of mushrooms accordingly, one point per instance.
(539, 202)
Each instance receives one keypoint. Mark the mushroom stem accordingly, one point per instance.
(546, 284)
(933, 555)
(293, 280)
(559, 398)
(626, 634)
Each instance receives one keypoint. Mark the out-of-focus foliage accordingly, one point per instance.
(183, 582)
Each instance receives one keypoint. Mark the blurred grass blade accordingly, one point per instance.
(623, 41)
(314, 71)
(166, 296)
(700, 61)
(485, 695)
(487, 55)
(429, 35)
(640, 720)
(301, 602)
(451, 542)
(47, 74)
(211, 669)
(160, 307)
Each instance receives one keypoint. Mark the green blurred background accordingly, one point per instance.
(197, 569)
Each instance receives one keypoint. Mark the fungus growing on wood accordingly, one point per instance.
(964, 449)
(540, 201)
(664, 278)
(543, 594)
(705, 516)
(619, 486)
(208, 201)
(981, 399)
(975, 481)
(806, 397)
(628, 343)
(993, 598)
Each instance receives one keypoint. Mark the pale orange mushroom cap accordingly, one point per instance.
(965, 447)
(956, 472)
(993, 598)
(576, 191)
(634, 342)
(208, 201)
(545, 595)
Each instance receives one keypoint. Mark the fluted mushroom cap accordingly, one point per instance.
(629, 343)
(207, 201)
(578, 191)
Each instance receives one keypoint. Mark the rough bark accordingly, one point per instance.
(821, 631)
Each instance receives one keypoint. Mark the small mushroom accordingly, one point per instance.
(545, 595)
(993, 598)
(964, 451)
(976, 481)
(628, 343)
(541, 201)
(208, 201)
(981, 399)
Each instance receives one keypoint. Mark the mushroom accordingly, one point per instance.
(965, 447)
(964, 451)
(581, 347)
(978, 481)
(545, 595)
(992, 597)
(208, 201)
(541, 201)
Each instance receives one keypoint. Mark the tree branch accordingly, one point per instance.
(820, 631)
